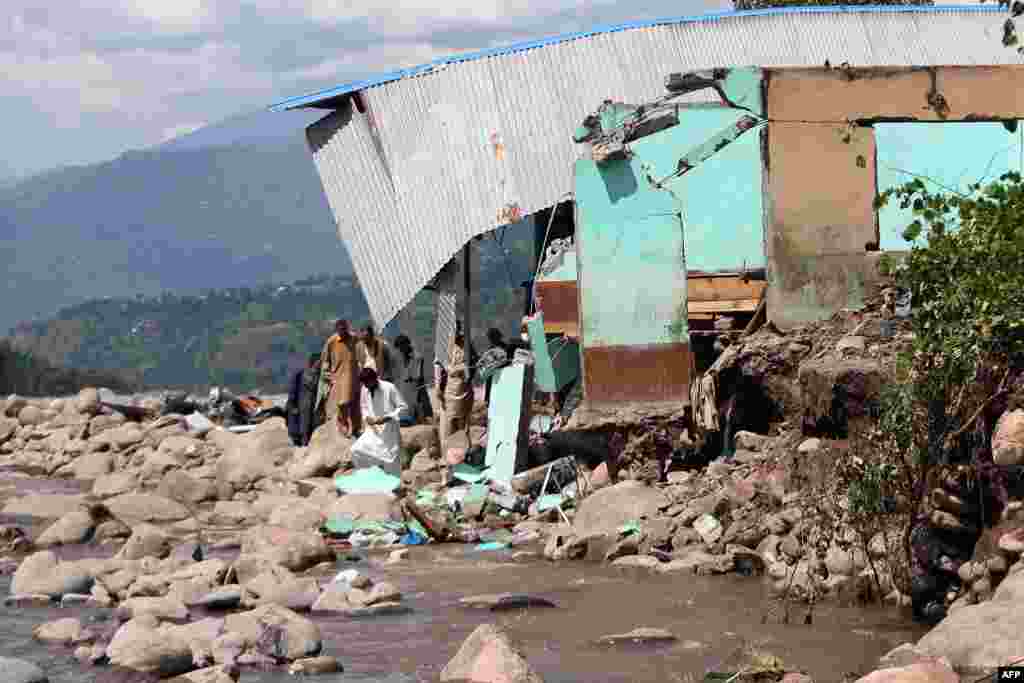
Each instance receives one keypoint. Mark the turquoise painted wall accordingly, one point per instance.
(954, 154)
(630, 243)
(630, 251)
(722, 198)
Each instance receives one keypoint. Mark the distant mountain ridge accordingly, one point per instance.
(183, 217)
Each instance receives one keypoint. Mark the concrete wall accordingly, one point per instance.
(828, 130)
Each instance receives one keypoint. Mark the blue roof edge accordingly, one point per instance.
(321, 96)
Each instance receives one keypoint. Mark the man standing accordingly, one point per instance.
(409, 378)
(374, 353)
(339, 381)
(382, 407)
(456, 392)
(301, 408)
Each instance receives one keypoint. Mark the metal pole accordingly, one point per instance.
(466, 328)
(467, 332)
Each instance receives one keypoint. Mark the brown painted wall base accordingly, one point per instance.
(658, 372)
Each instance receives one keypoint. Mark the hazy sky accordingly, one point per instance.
(84, 80)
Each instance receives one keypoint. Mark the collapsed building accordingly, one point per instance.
(682, 177)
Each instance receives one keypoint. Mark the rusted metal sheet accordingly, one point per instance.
(655, 373)
(560, 302)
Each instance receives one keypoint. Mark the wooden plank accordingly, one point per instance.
(734, 306)
(722, 288)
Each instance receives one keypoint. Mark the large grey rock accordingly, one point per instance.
(18, 671)
(489, 656)
(146, 541)
(115, 484)
(295, 550)
(1008, 439)
(74, 527)
(858, 382)
(978, 638)
(301, 516)
(30, 416)
(120, 437)
(67, 631)
(608, 509)
(183, 488)
(88, 401)
(379, 507)
(8, 427)
(277, 632)
(138, 508)
(44, 506)
(256, 455)
(322, 457)
(168, 607)
(142, 644)
(93, 466)
(43, 574)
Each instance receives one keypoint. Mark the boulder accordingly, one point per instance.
(156, 465)
(276, 632)
(312, 666)
(30, 416)
(213, 674)
(334, 598)
(143, 645)
(120, 437)
(183, 488)
(62, 632)
(366, 506)
(180, 448)
(255, 455)
(936, 670)
(709, 528)
(298, 595)
(295, 550)
(103, 423)
(328, 450)
(977, 638)
(232, 512)
(138, 508)
(608, 509)
(8, 427)
(225, 597)
(146, 541)
(74, 527)
(1008, 439)
(42, 574)
(421, 438)
(44, 506)
(169, 608)
(489, 656)
(93, 466)
(88, 402)
(114, 484)
(301, 516)
(18, 671)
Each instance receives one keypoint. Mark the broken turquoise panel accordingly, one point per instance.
(504, 422)
(556, 362)
(722, 198)
(951, 155)
(630, 249)
(743, 86)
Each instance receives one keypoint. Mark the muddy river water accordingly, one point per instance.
(713, 618)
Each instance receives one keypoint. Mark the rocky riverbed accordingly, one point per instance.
(714, 620)
(143, 549)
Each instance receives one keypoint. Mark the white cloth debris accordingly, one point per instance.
(380, 444)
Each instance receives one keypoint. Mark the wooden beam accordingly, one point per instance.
(734, 306)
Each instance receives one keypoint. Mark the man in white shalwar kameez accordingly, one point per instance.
(381, 441)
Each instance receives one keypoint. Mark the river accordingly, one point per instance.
(713, 617)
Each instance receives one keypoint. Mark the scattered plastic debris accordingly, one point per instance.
(493, 545)
(368, 480)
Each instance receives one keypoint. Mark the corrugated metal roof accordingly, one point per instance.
(444, 147)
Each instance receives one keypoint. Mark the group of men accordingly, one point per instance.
(332, 385)
(359, 381)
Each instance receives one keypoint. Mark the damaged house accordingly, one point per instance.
(681, 177)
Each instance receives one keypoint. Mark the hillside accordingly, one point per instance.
(165, 219)
(249, 338)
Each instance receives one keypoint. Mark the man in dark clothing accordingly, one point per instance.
(497, 341)
(301, 409)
